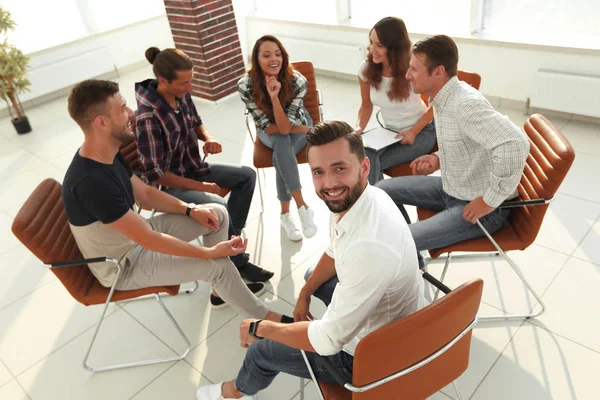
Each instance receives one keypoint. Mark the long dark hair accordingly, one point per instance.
(168, 62)
(260, 96)
(393, 36)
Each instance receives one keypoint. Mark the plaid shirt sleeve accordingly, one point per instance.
(150, 146)
(245, 90)
(293, 110)
(508, 145)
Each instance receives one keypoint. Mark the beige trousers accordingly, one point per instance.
(146, 268)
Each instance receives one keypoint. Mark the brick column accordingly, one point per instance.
(206, 31)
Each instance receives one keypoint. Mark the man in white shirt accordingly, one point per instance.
(374, 257)
(481, 154)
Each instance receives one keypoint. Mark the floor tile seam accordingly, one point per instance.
(539, 324)
(153, 380)
(196, 369)
(2, 308)
(23, 388)
(500, 353)
(577, 197)
(93, 326)
(9, 372)
(14, 246)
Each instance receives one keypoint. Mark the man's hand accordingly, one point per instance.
(476, 209)
(358, 130)
(231, 247)
(273, 86)
(409, 136)
(209, 187)
(302, 309)
(425, 165)
(211, 146)
(206, 217)
(245, 338)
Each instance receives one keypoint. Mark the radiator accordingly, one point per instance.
(65, 72)
(334, 57)
(567, 92)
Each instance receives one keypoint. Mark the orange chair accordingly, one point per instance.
(41, 225)
(549, 160)
(414, 357)
(472, 79)
(263, 156)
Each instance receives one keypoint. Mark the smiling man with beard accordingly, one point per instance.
(368, 275)
(99, 191)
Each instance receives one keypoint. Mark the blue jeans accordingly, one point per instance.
(447, 226)
(241, 180)
(285, 148)
(397, 153)
(266, 358)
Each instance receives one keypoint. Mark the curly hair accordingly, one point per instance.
(393, 36)
(260, 96)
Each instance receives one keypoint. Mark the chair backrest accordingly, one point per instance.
(129, 151)
(471, 78)
(550, 158)
(409, 340)
(311, 100)
(42, 226)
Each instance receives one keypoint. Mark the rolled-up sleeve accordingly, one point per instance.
(150, 146)
(355, 297)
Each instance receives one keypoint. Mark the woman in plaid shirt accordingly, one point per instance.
(274, 95)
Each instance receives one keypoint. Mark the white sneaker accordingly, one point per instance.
(213, 392)
(288, 223)
(309, 228)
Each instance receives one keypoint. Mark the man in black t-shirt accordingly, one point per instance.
(99, 191)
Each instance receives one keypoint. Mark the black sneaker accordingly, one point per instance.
(254, 273)
(257, 288)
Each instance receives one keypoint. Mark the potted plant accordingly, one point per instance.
(13, 67)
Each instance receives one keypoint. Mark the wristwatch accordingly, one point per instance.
(253, 328)
(189, 209)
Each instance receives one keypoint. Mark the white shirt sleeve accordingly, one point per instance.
(355, 297)
(361, 69)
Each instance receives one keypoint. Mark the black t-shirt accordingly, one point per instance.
(93, 191)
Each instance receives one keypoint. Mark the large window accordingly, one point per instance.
(319, 11)
(574, 23)
(49, 23)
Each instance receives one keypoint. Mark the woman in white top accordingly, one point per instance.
(383, 84)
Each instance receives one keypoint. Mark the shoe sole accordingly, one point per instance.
(225, 305)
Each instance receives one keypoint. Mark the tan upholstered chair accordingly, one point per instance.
(41, 225)
(472, 79)
(263, 156)
(416, 356)
(549, 160)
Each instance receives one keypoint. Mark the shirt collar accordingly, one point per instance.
(348, 221)
(440, 99)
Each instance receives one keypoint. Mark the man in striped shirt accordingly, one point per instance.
(481, 154)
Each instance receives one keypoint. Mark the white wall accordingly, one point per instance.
(507, 70)
(125, 47)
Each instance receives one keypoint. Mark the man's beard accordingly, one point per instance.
(122, 135)
(341, 205)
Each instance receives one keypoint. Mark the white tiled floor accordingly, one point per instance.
(44, 333)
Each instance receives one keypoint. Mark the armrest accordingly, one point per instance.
(72, 263)
(436, 283)
(319, 97)
(520, 203)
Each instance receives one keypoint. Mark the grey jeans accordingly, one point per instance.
(145, 268)
(241, 180)
(285, 148)
(266, 359)
(447, 226)
(397, 153)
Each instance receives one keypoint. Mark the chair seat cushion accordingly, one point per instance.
(506, 238)
(335, 392)
(263, 156)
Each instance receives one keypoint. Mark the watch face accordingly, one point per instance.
(191, 205)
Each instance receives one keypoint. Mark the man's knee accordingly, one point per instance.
(249, 175)
(222, 214)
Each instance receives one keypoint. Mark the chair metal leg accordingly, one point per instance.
(136, 363)
(517, 271)
(448, 258)
(260, 191)
(312, 375)
(459, 397)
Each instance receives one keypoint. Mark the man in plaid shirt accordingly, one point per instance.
(481, 155)
(168, 128)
